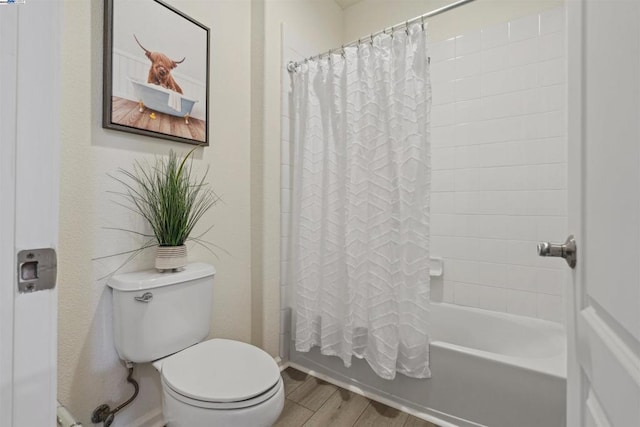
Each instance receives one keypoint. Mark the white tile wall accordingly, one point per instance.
(499, 165)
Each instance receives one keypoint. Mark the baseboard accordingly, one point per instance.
(282, 364)
(150, 419)
(373, 396)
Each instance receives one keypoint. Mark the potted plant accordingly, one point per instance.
(171, 199)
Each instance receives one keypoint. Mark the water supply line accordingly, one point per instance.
(64, 417)
(104, 414)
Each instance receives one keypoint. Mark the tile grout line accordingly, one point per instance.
(311, 378)
(362, 413)
(310, 416)
(299, 382)
(295, 388)
(327, 400)
(297, 404)
(318, 410)
(406, 422)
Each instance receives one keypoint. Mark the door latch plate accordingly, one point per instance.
(37, 270)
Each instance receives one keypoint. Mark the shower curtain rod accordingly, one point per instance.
(293, 66)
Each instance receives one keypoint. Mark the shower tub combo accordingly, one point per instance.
(488, 369)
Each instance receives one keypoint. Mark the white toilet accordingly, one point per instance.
(163, 318)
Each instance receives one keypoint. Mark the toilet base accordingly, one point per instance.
(180, 414)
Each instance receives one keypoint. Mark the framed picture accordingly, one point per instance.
(156, 71)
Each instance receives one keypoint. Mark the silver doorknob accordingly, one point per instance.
(567, 250)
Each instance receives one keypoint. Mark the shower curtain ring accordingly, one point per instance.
(343, 54)
(406, 27)
(422, 19)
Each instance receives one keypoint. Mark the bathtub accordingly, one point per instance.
(156, 98)
(488, 369)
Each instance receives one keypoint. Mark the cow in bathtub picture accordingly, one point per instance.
(156, 75)
(160, 71)
(167, 101)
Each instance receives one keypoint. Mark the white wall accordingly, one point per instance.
(369, 16)
(89, 370)
(499, 165)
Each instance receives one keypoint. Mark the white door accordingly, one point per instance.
(604, 213)
(29, 145)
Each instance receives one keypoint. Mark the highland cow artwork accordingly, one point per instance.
(156, 71)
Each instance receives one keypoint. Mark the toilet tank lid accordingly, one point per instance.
(151, 279)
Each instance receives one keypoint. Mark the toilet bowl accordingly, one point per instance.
(221, 382)
(164, 318)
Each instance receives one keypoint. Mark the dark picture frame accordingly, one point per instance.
(155, 71)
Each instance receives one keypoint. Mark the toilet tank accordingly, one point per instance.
(157, 314)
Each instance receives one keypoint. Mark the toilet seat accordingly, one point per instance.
(226, 405)
(221, 374)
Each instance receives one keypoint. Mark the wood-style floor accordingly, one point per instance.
(313, 402)
(125, 112)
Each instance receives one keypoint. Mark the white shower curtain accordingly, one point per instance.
(360, 214)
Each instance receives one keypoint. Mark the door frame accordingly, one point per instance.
(29, 171)
(8, 84)
(575, 178)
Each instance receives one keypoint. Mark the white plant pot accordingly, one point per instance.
(171, 257)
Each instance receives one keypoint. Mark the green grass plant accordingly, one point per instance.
(168, 196)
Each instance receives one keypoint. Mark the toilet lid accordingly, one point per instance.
(220, 370)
